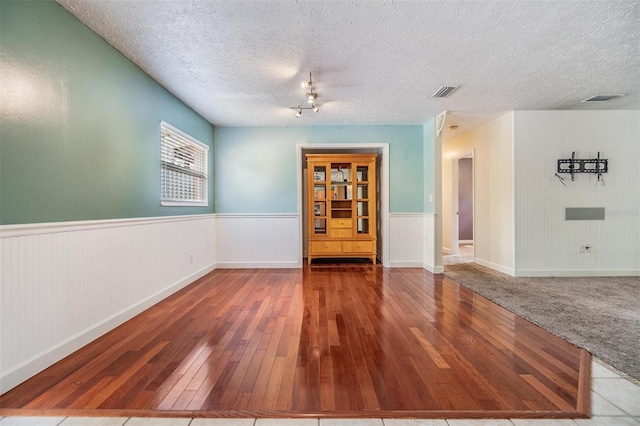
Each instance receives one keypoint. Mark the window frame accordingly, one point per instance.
(195, 143)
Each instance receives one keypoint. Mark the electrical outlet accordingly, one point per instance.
(585, 249)
(191, 258)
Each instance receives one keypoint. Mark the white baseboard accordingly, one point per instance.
(576, 273)
(433, 269)
(402, 264)
(495, 266)
(465, 241)
(258, 265)
(446, 250)
(43, 360)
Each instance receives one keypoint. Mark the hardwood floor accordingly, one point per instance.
(325, 341)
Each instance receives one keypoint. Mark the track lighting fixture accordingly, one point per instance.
(311, 98)
(299, 109)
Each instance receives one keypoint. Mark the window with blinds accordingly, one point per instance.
(184, 167)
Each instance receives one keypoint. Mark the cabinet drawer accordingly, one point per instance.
(341, 233)
(325, 247)
(341, 223)
(357, 246)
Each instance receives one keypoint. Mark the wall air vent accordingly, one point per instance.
(444, 91)
(602, 98)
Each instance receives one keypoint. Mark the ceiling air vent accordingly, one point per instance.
(602, 98)
(444, 91)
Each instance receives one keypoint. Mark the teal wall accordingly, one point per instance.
(429, 166)
(80, 123)
(255, 169)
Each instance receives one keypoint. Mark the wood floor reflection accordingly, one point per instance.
(329, 341)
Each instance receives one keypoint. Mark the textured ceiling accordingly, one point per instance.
(240, 63)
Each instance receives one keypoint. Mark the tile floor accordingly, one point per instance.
(465, 255)
(614, 401)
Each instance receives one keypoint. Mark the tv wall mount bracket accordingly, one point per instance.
(573, 165)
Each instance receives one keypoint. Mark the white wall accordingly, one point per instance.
(546, 244)
(492, 144)
(65, 284)
(431, 249)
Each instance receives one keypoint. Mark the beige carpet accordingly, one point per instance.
(600, 314)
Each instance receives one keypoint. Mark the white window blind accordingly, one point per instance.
(184, 168)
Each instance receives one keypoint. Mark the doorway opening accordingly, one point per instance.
(462, 207)
(382, 166)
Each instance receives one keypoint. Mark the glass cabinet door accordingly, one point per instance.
(341, 181)
(363, 206)
(319, 225)
(341, 198)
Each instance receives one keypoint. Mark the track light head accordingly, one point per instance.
(298, 114)
(314, 108)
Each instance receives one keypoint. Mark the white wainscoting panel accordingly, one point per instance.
(65, 284)
(258, 241)
(431, 264)
(406, 240)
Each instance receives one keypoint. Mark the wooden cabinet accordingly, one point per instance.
(341, 206)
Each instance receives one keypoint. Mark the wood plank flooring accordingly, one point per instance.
(322, 341)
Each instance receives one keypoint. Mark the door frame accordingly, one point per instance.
(384, 186)
(455, 217)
